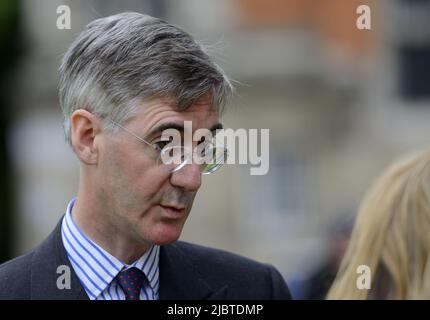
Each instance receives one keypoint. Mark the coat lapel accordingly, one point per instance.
(46, 259)
(180, 280)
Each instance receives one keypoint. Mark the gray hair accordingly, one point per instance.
(119, 61)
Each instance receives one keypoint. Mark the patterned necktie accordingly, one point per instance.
(131, 281)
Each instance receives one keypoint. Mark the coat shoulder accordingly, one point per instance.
(236, 271)
(218, 258)
(15, 276)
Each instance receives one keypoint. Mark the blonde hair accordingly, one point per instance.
(391, 235)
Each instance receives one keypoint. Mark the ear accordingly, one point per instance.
(84, 128)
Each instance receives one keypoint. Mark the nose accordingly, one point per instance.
(189, 177)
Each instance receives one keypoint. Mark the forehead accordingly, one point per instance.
(157, 112)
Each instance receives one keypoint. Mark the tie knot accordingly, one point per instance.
(131, 282)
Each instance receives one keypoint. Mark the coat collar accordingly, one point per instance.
(46, 259)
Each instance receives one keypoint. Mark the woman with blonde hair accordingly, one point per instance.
(391, 236)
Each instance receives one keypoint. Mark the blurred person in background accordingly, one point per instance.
(123, 81)
(391, 236)
(318, 283)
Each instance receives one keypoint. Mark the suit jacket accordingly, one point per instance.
(187, 271)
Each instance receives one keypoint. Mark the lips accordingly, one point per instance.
(173, 211)
(173, 206)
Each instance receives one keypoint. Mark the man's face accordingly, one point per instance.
(142, 200)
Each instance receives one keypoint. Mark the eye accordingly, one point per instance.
(159, 145)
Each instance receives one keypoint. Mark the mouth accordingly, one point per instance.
(174, 212)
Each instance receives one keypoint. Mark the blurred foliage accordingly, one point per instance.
(10, 49)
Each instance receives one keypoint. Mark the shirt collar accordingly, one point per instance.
(96, 267)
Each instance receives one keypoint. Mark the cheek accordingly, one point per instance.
(133, 178)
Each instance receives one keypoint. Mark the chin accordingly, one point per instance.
(165, 233)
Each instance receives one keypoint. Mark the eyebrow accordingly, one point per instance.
(177, 126)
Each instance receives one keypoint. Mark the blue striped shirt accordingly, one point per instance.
(97, 269)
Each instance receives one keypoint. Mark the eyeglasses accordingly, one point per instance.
(208, 154)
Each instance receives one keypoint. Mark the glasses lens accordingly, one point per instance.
(219, 157)
(174, 155)
(211, 158)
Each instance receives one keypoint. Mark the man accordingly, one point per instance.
(125, 80)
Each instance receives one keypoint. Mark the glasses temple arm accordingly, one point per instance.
(132, 133)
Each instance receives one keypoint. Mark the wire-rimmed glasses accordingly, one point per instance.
(208, 154)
